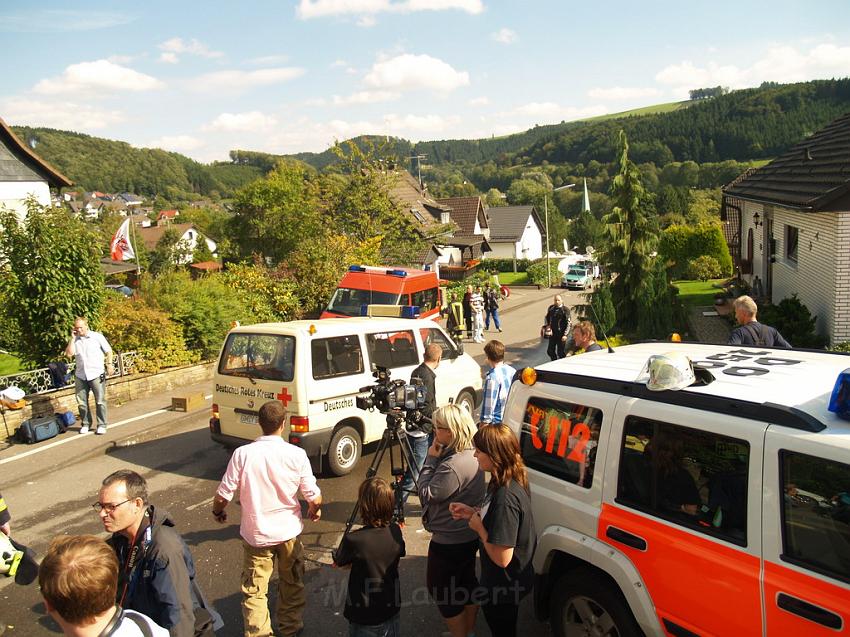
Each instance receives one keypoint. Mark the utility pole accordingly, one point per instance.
(418, 159)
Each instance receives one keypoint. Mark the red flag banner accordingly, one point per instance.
(120, 248)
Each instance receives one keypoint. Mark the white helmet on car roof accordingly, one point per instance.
(672, 371)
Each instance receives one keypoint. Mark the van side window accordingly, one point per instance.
(431, 335)
(816, 514)
(560, 439)
(334, 357)
(266, 356)
(392, 349)
(687, 476)
(425, 299)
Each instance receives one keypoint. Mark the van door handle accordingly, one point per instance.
(624, 537)
(809, 611)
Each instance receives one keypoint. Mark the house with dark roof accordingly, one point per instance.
(788, 227)
(24, 174)
(187, 232)
(469, 241)
(516, 232)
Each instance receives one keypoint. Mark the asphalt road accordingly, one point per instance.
(50, 493)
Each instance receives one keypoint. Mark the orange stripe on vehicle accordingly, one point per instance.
(696, 582)
(834, 598)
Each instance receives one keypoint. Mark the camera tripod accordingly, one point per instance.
(394, 433)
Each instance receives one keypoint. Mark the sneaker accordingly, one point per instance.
(84, 429)
(101, 429)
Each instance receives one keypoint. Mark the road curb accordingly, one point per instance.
(100, 448)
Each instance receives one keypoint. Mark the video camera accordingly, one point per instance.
(392, 396)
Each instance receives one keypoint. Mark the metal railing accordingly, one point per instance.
(458, 272)
(39, 381)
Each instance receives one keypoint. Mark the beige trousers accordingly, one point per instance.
(257, 568)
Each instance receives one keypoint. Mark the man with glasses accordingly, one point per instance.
(156, 568)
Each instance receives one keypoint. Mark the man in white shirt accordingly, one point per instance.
(89, 348)
(268, 474)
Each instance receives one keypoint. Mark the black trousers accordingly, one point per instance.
(501, 619)
(556, 347)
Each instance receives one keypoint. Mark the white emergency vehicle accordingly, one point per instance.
(669, 502)
(316, 369)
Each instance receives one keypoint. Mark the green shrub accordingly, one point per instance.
(794, 322)
(506, 265)
(538, 275)
(704, 268)
(601, 310)
(267, 293)
(681, 244)
(844, 346)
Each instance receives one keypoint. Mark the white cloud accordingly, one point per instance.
(235, 81)
(366, 21)
(169, 58)
(415, 125)
(365, 97)
(504, 36)
(622, 93)
(269, 60)
(60, 20)
(97, 76)
(252, 121)
(177, 143)
(478, 101)
(58, 114)
(120, 59)
(783, 63)
(549, 113)
(191, 47)
(407, 71)
(324, 8)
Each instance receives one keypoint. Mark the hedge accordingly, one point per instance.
(680, 245)
(506, 265)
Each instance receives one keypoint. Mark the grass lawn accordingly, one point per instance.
(698, 292)
(514, 278)
(9, 364)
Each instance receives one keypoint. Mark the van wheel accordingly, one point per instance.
(466, 401)
(584, 603)
(344, 451)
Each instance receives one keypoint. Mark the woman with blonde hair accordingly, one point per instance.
(451, 474)
(505, 528)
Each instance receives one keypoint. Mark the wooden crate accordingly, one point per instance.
(187, 402)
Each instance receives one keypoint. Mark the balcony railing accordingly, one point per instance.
(459, 272)
(39, 381)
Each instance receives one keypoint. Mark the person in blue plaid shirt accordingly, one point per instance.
(497, 382)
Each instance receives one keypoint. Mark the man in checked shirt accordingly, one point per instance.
(497, 382)
(268, 474)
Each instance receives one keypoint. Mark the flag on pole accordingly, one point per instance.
(120, 248)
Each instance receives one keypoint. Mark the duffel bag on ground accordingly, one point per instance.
(38, 429)
(65, 419)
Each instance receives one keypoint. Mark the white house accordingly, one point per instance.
(24, 174)
(187, 232)
(516, 232)
(788, 227)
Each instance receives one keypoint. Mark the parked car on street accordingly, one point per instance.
(577, 278)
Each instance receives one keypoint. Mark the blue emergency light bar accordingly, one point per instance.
(356, 268)
(839, 402)
(396, 272)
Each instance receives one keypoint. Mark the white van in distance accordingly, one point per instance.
(316, 369)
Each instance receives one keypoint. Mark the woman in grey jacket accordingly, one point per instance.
(451, 474)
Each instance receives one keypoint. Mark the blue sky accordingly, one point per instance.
(285, 76)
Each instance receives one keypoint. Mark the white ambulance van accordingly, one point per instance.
(316, 369)
(689, 489)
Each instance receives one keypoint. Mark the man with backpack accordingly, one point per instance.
(749, 331)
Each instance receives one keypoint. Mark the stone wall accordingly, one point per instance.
(118, 392)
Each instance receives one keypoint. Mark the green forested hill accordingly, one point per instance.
(94, 163)
(743, 125)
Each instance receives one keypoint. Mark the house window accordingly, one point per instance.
(418, 215)
(792, 239)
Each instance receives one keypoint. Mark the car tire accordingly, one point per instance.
(344, 451)
(465, 400)
(584, 601)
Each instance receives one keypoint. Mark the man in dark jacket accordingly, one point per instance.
(750, 332)
(156, 566)
(558, 320)
(420, 438)
(491, 307)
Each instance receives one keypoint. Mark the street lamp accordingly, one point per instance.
(546, 214)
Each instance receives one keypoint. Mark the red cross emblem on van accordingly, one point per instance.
(284, 396)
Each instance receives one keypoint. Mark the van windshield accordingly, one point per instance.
(347, 301)
(266, 356)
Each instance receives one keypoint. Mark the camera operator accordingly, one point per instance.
(421, 436)
(78, 580)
